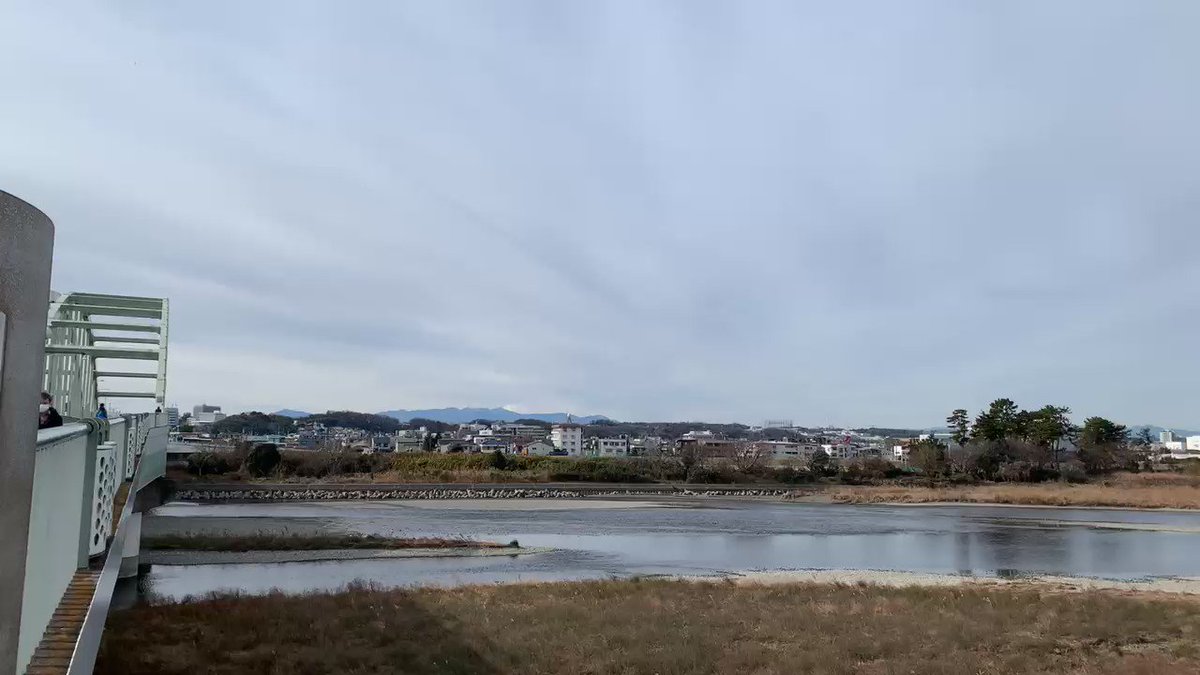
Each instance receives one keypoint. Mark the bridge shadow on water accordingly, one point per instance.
(361, 630)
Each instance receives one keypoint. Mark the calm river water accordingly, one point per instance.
(612, 538)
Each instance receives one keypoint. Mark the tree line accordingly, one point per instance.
(1006, 442)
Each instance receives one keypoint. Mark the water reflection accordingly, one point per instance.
(737, 536)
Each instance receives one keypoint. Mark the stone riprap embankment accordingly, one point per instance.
(329, 493)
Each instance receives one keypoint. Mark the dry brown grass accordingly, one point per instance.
(660, 627)
(297, 542)
(1148, 491)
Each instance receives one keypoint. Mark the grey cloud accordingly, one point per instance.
(848, 213)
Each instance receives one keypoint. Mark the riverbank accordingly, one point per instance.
(270, 492)
(222, 547)
(1121, 492)
(263, 541)
(665, 627)
(887, 578)
(253, 557)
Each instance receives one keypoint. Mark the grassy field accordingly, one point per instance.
(296, 542)
(1151, 491)
(661, 627)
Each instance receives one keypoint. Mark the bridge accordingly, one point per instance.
(71, 497)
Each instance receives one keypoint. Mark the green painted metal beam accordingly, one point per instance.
(109, 310)
(104, 352)
(134, 340)
(97, 325)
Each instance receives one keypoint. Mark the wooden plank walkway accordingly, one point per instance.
(53, 654)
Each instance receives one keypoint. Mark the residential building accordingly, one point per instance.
(538, 448)
(273, 439)
(409, 440)
(783, 450)
(646, 447)
(172, 417)
(1165, 437)
(1175, 446)
(1193, 443)
(567, 437)
(492, 445)
(840, 450)
(608, 447)
(514, 429)
(708, 445)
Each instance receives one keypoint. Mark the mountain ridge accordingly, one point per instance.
(464, 415)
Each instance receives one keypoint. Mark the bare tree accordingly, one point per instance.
(749, 457)
(690, 456)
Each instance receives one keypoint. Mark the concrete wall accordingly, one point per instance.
(26, 249)
(59, 498)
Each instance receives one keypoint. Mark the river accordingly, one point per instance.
(598, 538)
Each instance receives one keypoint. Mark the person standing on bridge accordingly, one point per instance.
(47, 416)
(102, 413)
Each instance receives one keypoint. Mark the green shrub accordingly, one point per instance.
(262, 460)
(306, 464)
(209, 463)
(429, 463)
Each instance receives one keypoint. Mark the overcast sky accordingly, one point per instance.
(834, 212)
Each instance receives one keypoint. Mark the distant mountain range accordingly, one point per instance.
(464, 415)
(1155, 431)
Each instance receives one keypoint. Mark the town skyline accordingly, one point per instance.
(463, 414)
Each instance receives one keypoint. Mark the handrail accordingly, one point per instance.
(67, 431)
(87, 645)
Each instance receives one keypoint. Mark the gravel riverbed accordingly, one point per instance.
(255, 494)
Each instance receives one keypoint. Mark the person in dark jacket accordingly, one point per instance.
(102, 413)
(47, 416)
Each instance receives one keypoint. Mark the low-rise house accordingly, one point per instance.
(646, 447)
(537, 449)
(492, 445)
(408, 444)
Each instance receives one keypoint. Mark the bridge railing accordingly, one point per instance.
(79, 471)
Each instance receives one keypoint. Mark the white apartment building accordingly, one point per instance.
(568, 438)
(1175, 446)
(1193, 443)
(1165, 437)
(609, 447)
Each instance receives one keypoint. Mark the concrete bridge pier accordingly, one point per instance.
(26, 249)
